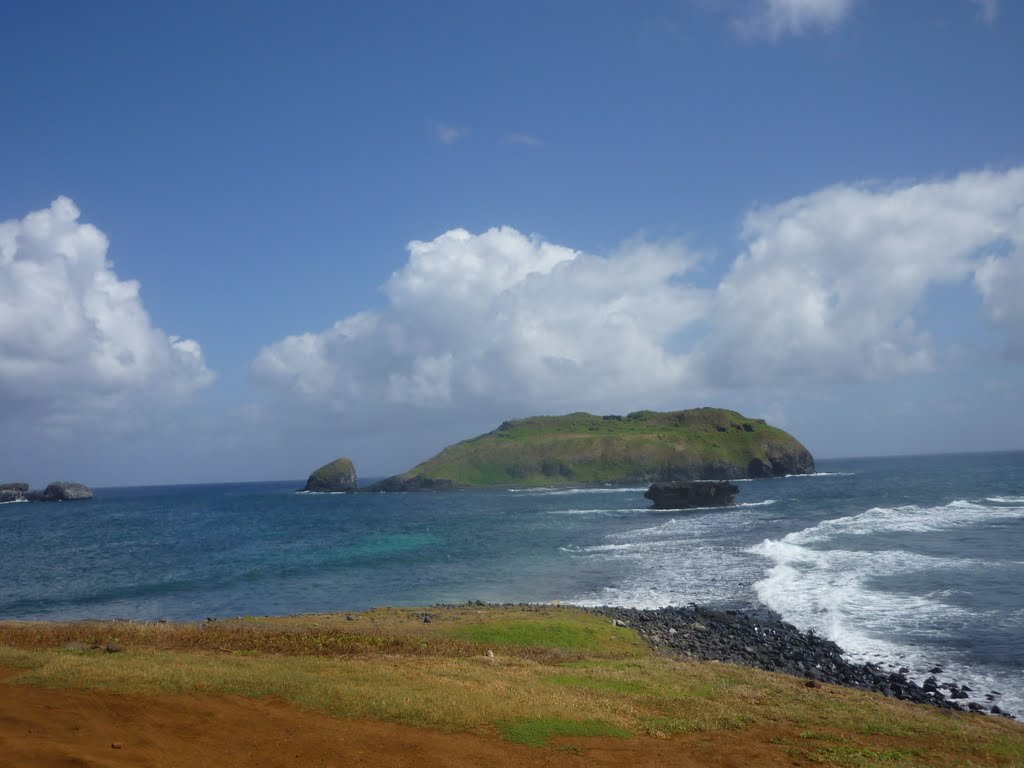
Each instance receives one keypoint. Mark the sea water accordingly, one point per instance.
(908, 561)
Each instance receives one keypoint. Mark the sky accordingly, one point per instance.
(241, 239)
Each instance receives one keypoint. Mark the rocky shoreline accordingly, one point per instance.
(764, 641)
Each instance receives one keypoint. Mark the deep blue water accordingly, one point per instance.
(913, 561)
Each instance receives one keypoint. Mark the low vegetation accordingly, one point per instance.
(580, 448)
(541, 676)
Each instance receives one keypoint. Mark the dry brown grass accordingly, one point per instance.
(390, 665)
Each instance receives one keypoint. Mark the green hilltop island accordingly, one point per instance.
(583, 449)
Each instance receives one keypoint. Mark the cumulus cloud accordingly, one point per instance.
(74, 339)
(829, 283)
(500, 317)
(1000, 279)
(773, 19)
(826, 290)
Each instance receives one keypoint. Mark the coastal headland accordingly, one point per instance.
(468, 684)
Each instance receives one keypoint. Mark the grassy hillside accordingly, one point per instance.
(580, 448)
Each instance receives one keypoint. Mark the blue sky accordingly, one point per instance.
(240, 239)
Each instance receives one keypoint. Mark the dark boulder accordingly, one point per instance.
(683, 494)
(337, 477)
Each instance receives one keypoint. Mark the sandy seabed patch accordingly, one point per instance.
(51, 727)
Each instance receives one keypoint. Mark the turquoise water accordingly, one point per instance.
(915, 561)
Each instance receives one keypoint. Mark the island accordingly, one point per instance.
(584, 449)
(338, 476)
(59, 491)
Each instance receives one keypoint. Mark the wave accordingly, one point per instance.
(626, 511)
(824, 474)
(814, 583)
(1006, 499)
(906, 519)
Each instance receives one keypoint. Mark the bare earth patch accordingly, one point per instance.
(54, 727)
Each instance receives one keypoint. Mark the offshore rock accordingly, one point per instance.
(687, 494)
(13, 491)
(401, 483)
(337, 477)
(60, 491)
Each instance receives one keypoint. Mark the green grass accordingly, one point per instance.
(569, 631)
(536, 732)
(581, 448)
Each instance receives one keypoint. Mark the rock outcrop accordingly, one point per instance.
(687, 494)
(59, 491)
(339, 476)
(400, 483)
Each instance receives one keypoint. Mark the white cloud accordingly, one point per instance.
(828, 284)
(1000, 279)
(988, 10)
(75, 341)
(773, 19)
(501, 318)
(827, 290)
(446, 133)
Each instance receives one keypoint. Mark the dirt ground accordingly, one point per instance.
(55, 727)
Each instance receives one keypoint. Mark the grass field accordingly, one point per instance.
(526, 674)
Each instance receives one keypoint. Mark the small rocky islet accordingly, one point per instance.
(58, 491)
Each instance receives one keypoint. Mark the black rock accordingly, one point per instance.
(764, 641)
(687, 494)
(399, 484)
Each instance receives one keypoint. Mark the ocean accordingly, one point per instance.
(909, 561)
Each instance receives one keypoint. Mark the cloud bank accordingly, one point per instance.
(500, 317)
(826, 290)
(76, 342)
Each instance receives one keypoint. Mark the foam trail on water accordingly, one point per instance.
(608, 512)
(545, 491)
(819, 580)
